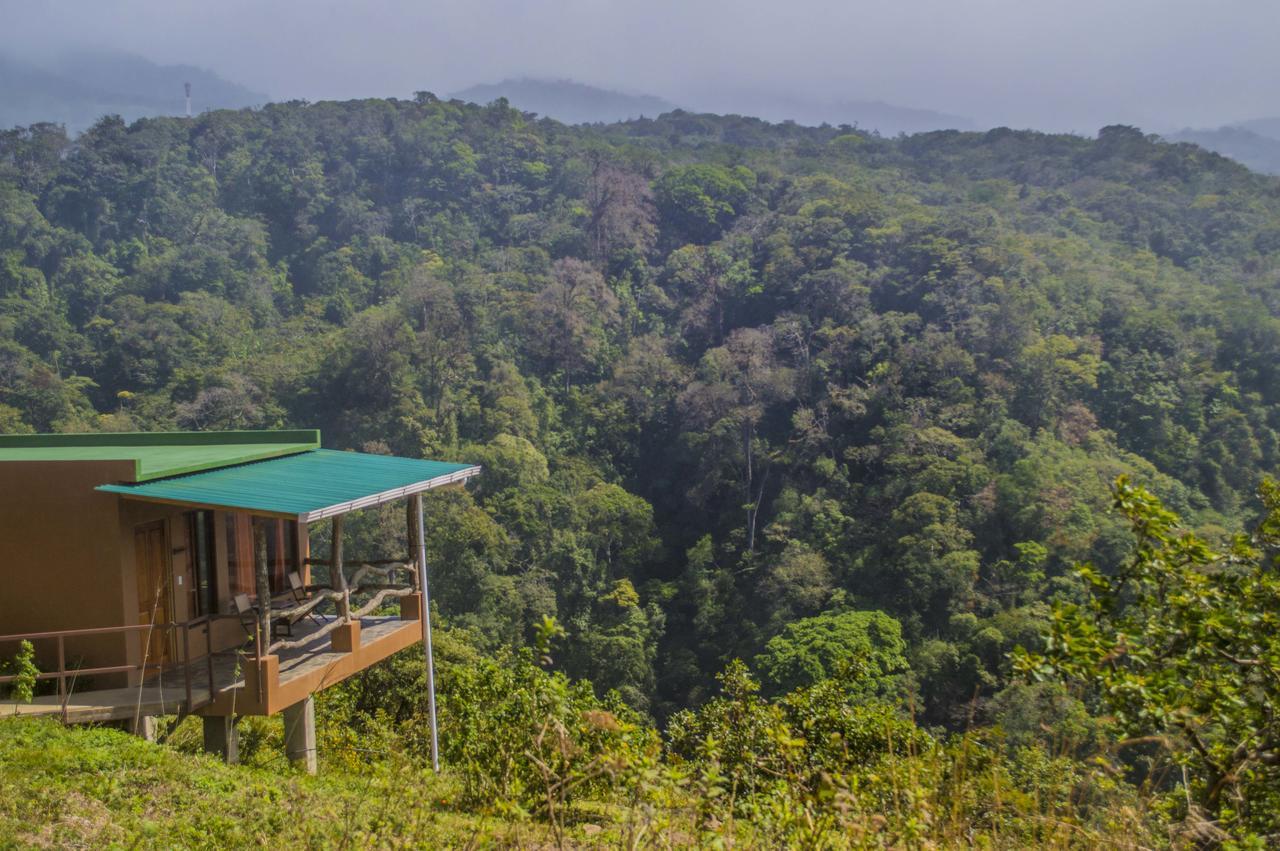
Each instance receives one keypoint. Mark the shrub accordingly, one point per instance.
(527, 738)
(23, 667)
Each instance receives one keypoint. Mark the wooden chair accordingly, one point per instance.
(248, 614)
(282, 624)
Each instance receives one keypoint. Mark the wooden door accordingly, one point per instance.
(155, 597)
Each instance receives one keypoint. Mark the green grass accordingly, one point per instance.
(102, 788)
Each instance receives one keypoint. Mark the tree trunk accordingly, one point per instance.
(338, 579)
(746, 452)
(264, 587)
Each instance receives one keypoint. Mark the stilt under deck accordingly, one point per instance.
(166, 694)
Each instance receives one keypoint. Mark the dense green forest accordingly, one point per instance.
(845, 408)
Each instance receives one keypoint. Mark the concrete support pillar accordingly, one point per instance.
(300, 734)
(222, 738)
(144, 727)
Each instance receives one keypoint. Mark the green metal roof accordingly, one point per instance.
(159, 454)
(309, 485)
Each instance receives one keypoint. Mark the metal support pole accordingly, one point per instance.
(426, 631)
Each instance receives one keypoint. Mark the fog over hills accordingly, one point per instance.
(1151, 63)
(885, 118)
(568, 101)
(1255, 143)
(78, 87)
(578, 103)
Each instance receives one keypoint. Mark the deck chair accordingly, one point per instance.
(282, 624)
(248, 614)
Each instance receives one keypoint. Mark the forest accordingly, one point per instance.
(821, 470)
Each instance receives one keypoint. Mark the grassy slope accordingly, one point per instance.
(98, 788)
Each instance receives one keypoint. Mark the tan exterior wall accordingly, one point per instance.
(60, 557)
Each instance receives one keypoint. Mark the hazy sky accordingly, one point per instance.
(1068, 64)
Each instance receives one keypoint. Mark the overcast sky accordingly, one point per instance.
(1066, 64)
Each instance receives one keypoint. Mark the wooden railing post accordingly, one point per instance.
(208, 653)
(62, 676)
(337, 579)
(186, 660)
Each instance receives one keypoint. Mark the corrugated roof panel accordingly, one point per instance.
(309, 485)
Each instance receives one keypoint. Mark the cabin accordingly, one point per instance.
(173, 574)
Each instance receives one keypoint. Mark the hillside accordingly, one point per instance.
(847, 408)
(77, 88)
(1255, 150)
(567, 101)
(887, 119)
(576, 103)
(79, 788)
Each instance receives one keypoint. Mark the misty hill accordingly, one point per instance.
(77, 88)
(578, 103)
(1251, 147)
(886, 118)
(568, 101)
(1269, 127)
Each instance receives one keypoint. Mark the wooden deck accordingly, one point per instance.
(167, 694)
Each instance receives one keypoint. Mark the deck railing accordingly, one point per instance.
(339, 591)
(375, 577)
(168, 631)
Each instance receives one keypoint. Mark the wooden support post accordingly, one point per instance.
(222, 738)
(338, 579)
(264, 588)
(300, 734)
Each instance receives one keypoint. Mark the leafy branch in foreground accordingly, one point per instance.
(1182, 647)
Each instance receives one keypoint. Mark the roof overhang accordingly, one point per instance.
(306, 486)
(388, 495)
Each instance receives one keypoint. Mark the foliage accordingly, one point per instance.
(1179, 644)
(878, 374)
(865, 648)
(69, 787)
(24, 671)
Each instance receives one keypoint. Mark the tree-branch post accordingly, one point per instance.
(264, 587)
(338, 579)
(411, 535)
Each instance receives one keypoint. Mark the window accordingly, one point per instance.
(282, 552)
(200, 549)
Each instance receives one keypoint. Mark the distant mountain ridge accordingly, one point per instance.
(578, 103)
(78, 88)
(568, 101)
(886, 118)
(1269, 127)
(1255, 143)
